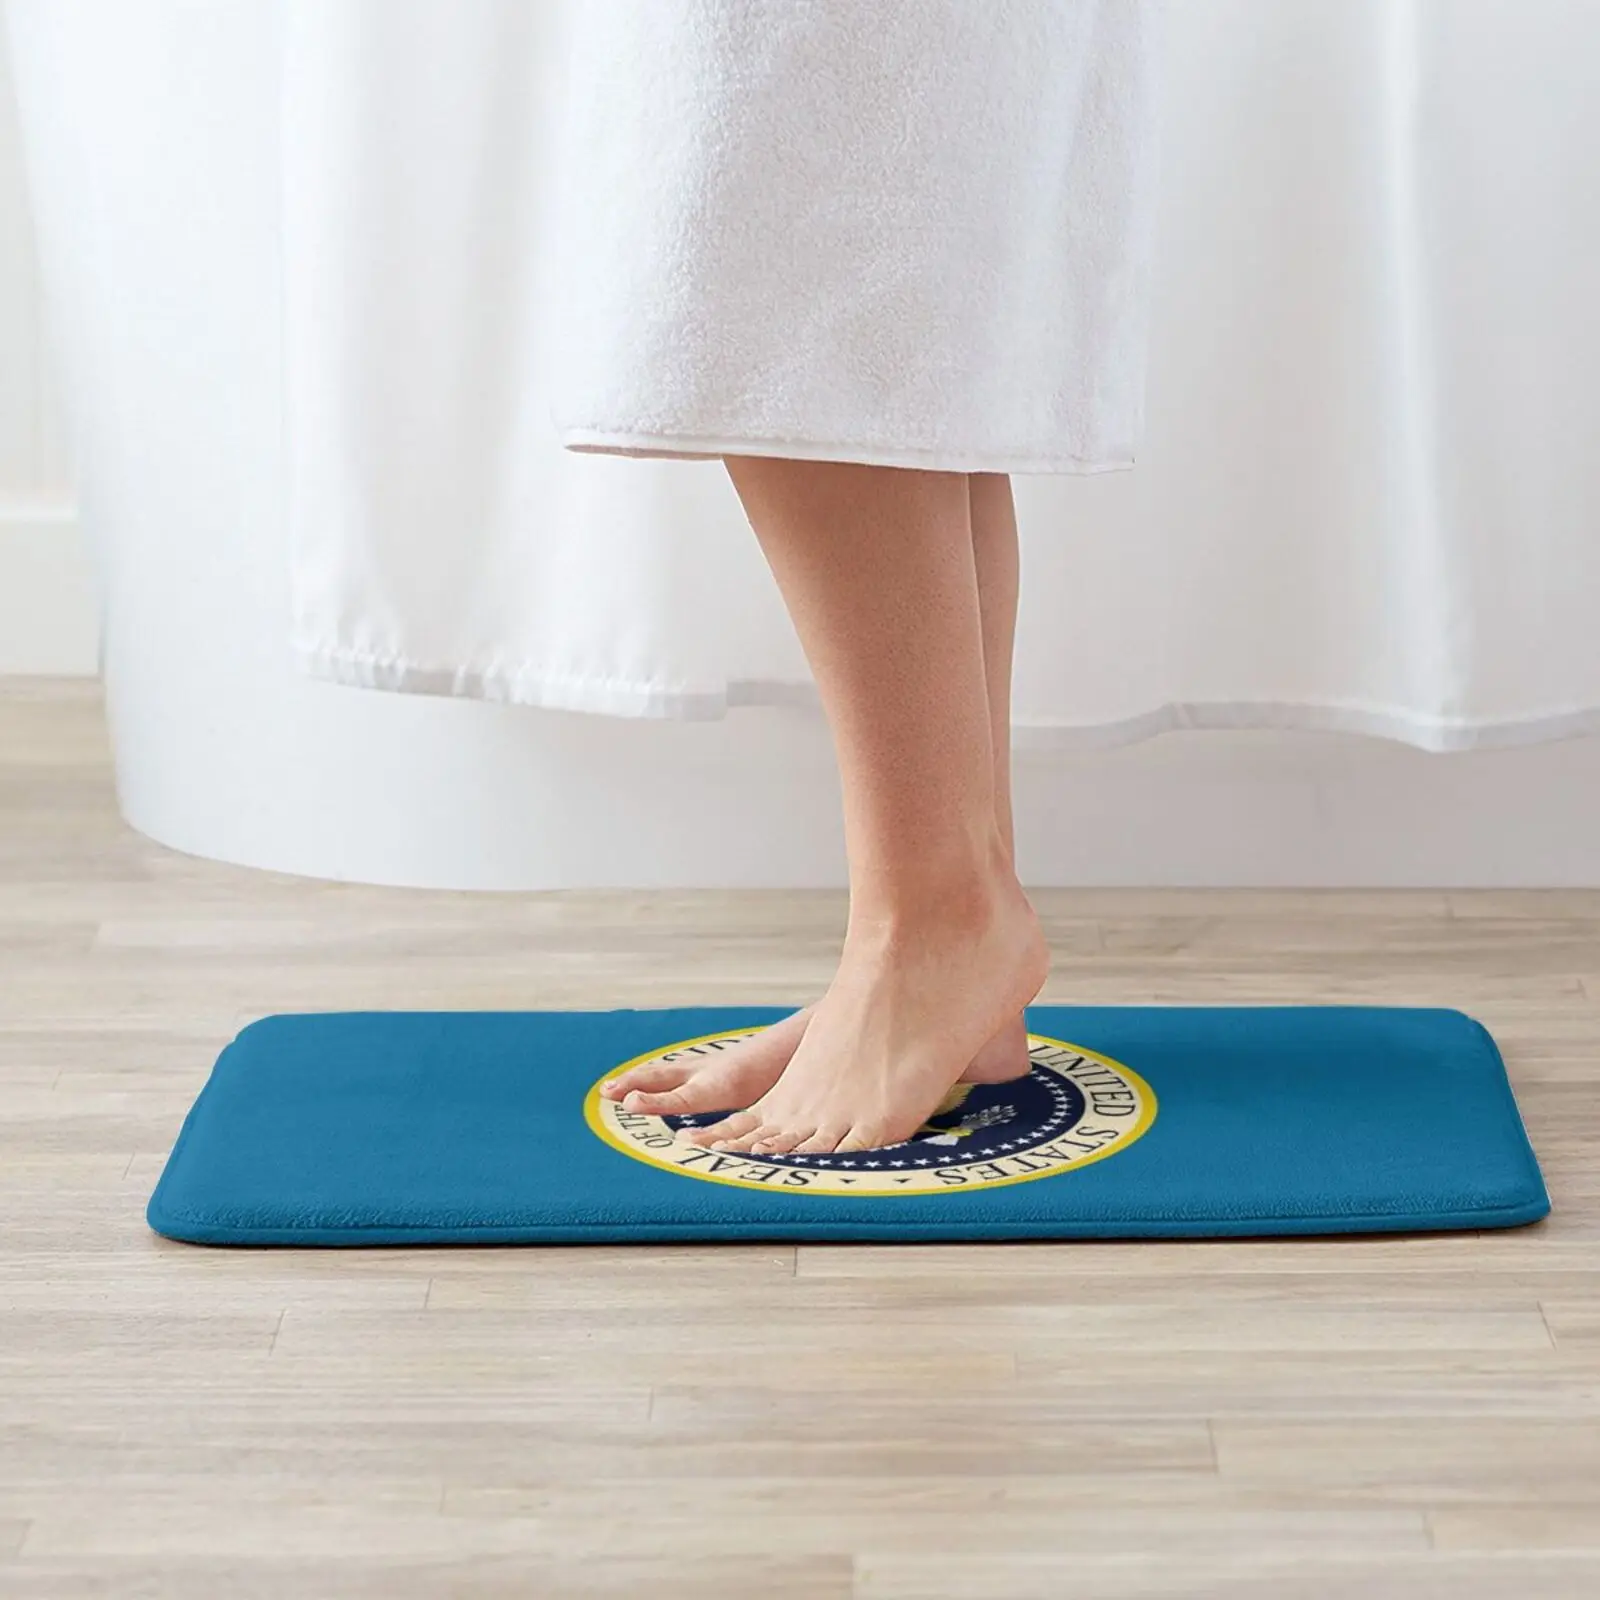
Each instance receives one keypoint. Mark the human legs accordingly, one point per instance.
(742, 1072)
(878, 567)
(997, 562)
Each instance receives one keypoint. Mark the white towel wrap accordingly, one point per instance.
(916, 234)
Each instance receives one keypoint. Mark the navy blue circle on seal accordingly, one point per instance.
(1074, 1106)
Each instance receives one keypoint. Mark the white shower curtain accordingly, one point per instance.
(1367, 498)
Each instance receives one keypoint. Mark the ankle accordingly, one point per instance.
(968, 900)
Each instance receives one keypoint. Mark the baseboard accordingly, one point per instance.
(49, 607)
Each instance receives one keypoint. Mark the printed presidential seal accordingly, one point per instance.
(1073, 1106)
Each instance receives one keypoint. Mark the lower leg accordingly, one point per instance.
(997, 560)
(878, 568)
(741, 1073)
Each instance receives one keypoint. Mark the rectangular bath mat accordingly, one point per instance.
(442, 1127)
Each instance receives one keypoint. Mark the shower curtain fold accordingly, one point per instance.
(1366, 496)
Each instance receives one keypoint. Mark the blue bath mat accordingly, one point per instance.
(441, 1127)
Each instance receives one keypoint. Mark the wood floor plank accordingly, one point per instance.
(369, 1572)
(1418, 1460)
(1253, 1572)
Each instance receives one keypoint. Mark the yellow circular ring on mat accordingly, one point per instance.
(1073, 1107)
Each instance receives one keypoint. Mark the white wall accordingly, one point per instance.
(754, 801)
(47, 613)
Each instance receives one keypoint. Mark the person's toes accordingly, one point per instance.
(668, 1103)
(716, 1089)
(740, 1122)
(658, 1075)
(820, 1143)
(866, 1136)
(743, 1143)
(780, 1144)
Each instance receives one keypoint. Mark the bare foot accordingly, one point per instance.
(736, 1075)
(901, 1023)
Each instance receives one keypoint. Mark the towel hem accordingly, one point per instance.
(697, 447)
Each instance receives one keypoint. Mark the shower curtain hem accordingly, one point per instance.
(624, 697)
(697, 447)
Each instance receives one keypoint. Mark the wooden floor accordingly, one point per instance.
(1410, 1417)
